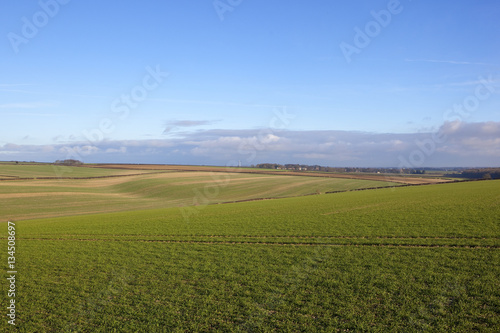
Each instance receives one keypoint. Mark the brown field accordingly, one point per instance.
(387, 178)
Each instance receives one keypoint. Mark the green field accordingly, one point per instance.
(62, 197)
(412, 259)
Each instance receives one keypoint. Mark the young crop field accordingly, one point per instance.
(36, 198)
(404, 259)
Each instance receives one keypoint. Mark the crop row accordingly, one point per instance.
(484, 242)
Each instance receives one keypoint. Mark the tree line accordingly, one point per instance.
(479, 173)
(305, 167)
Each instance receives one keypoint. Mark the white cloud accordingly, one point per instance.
(313, 156)
(466, 144)
(122, 150)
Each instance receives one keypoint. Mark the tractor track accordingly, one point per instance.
(293, 236)
(234, 242)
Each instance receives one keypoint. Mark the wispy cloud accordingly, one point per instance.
(3, 85)
(173, 125)
(452, 62)
(192, 101)
(27, 105)
(189, 123)
(19, 88)
(490, 81)
(31, 114)
(12, 89)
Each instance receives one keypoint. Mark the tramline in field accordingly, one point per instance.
(419, 258)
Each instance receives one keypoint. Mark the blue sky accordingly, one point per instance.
(339, 83)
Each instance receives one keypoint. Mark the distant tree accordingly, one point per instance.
(69, 162)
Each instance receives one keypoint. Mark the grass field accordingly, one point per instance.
(409, 259)
(61, 197)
